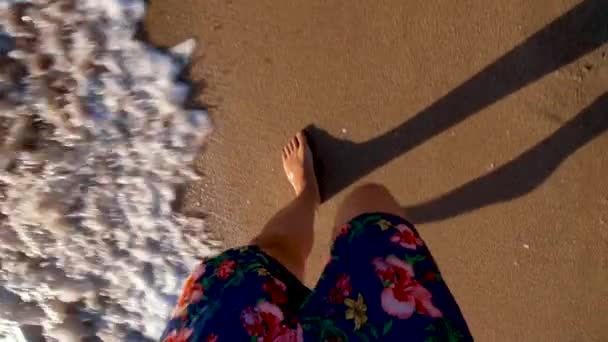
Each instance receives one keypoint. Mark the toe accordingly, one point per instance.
(301, 139)
(287, 148)
(297, 141)
(292, 145)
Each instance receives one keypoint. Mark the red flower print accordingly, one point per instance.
(291, 335)
(265, 322)
(277, 290)
(402, 294)
(198, 271)
(225, 269)
(344, 229)
(211, 338)
(341, 291)
(192, 293)
(406, 237)
(252, 322)
(429, 276)
(178, 335)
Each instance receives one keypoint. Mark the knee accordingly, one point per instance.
(368, 198)
(371, 190)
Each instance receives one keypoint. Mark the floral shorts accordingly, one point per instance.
(380, 284)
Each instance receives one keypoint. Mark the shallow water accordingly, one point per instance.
(94, 139)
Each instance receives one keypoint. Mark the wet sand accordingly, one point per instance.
(487, 120)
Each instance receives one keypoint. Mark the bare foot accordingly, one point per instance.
(298, 165)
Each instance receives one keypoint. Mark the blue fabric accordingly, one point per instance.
(380, 284)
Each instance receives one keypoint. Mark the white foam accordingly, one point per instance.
(94, 140)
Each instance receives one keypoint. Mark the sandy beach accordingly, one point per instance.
(488, 121)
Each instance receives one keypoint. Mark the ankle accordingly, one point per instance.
(310, 193)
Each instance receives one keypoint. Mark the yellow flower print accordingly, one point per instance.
(356, 311)
(384, 225)
(263, 272)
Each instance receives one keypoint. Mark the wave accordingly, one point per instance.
(94, 140)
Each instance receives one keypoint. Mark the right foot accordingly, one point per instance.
(298, 165)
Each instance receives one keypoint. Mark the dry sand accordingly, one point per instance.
(504, 166)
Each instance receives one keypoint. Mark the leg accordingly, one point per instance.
(288, 236)
(368, 198)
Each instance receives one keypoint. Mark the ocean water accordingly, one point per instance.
(94, 140)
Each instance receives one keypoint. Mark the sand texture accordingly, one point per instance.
(487, 119)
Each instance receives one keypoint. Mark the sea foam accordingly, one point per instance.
(94, 140)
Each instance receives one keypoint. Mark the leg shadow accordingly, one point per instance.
(523, 174)
(579, 31)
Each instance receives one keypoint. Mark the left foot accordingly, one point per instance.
(298, 166)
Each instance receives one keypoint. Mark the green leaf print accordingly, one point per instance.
(373, 331)
(453, 334)
(355, 230)
(214, 262)
(372, 218)
(413, 260)
(202, 317)
(264, 258)
(253, 339)
(236, 279)
(253, 266)
(444, 329)
(329, 329)
(387, 327)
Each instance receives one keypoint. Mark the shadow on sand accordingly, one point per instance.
(521, 175)
(579, 31)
